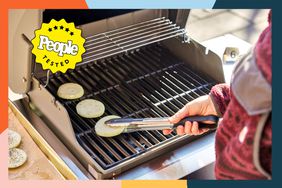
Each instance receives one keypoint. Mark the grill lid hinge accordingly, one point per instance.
(184, 38)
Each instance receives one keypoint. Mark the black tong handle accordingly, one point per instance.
(200, 120)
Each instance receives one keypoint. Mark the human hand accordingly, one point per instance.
(202, 106)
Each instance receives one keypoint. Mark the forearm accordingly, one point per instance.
(220, 96)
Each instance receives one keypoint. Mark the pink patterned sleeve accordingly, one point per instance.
(220, 95)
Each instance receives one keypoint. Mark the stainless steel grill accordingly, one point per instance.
(139, 64)
(147, 82)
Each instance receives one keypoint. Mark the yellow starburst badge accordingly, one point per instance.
(58, 46)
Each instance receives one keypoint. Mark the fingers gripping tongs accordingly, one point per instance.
(141, 124)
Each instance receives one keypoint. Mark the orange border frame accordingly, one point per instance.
(5, 5)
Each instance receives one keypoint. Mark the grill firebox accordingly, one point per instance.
(146, 82)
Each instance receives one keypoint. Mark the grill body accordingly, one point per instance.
(148, 82)
(149, 68)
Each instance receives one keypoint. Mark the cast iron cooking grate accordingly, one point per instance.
(146, 82)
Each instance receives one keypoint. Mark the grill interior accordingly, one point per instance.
(145, 82)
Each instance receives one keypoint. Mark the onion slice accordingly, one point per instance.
(17, 158)
(90, 108)
(104, 130)
(70, 91)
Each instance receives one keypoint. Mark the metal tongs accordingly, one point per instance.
(141, 124)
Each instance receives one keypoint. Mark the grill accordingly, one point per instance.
(139, 64)
(146, 82)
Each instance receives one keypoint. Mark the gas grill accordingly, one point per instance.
(140, 64)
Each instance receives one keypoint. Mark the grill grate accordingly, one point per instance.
(146, 82)
(130, 37)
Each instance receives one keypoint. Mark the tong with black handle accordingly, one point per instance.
(141, 124)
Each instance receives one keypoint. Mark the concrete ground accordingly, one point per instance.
(246, 24)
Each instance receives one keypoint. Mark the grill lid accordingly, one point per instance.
(22, 24)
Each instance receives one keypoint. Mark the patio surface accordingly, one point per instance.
(246, 24)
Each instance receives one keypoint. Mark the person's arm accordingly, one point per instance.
(213, 104)
(220, 96)
(200, 106)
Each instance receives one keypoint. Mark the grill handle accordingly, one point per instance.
(200, 120)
